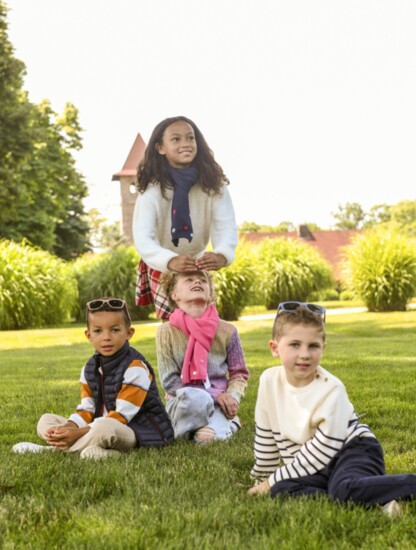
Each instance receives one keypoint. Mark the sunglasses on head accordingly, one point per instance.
(113, 303)
(293, 306)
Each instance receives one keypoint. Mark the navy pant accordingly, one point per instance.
(356, 474)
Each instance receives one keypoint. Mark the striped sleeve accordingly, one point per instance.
(266, 451)
(266, 454)
(168, 358)
(86, 409)
(238, 372)
(133, 392)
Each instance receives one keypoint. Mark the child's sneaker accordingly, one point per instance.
(26, 447)
(392, 509)
(98, 453)
(235, 424)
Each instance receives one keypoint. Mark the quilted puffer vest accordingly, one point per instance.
(151, 424)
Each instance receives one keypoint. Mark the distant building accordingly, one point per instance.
(328, 243)
(127, 179)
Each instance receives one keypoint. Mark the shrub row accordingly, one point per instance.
(36, 288)
(112, 273)
(39, 289)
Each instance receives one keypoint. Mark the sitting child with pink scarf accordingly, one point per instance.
(200, 360)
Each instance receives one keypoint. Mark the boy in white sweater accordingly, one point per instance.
(308, 437)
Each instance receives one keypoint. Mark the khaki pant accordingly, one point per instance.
(106, 433)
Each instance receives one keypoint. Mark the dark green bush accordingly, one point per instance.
(36, 288)
(380, 267)
(110, 273)
(290, 270)
(325, 295)
(233, 284)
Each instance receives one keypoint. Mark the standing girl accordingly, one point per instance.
(183, 205)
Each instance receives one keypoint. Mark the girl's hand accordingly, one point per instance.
(182, 263)
(211, 261)
(228, 404)
(260, 489)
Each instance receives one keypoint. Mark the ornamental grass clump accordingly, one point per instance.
(36, 288)
(233, 284)
(110, 273)
(380, 267)
(290, 270)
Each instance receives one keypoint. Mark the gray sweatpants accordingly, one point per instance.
(194, 408)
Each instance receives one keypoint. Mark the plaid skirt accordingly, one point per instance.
(149, 291)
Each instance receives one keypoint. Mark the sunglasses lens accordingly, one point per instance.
(318, 310)
(96, 304)
(291, 306)
(116, 304)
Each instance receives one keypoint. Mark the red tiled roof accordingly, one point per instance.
(328, 243)
(132, 161)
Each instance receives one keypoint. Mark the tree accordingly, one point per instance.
(15, 114)
(249, 227)
(404, 215)
(104, 235)
(379, 214)
(253, 227)
(41, 191)
(350, 216)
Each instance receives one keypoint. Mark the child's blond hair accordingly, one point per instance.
(168, 283)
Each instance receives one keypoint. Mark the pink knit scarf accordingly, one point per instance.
(200, 333)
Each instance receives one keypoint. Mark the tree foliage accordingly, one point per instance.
(41, 191)
(349, 216)
(253, 227)
(103, 234)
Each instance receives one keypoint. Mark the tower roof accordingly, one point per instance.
(133, 159)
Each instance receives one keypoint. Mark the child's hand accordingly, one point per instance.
(64, 437)
(229, 405)
(260, 489)
(182, 263)
(211, 261)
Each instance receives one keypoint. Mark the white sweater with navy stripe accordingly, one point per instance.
(300, 430)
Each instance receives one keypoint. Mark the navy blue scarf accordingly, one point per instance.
(183, 178)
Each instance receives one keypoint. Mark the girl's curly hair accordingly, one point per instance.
(153, 168)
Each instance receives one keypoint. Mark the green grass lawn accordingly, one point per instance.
(185, 496)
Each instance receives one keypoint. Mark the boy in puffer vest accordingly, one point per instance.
(120, 405)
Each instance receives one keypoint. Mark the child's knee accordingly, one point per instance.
(45, 422)
(103, 430)
(341, 492)
(197, 402)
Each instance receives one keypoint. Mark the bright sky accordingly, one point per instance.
(307, 104)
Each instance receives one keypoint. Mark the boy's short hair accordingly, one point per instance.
(300, 316)
(168, 282)
(106, 306)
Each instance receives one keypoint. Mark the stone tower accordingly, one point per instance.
(127, 179)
